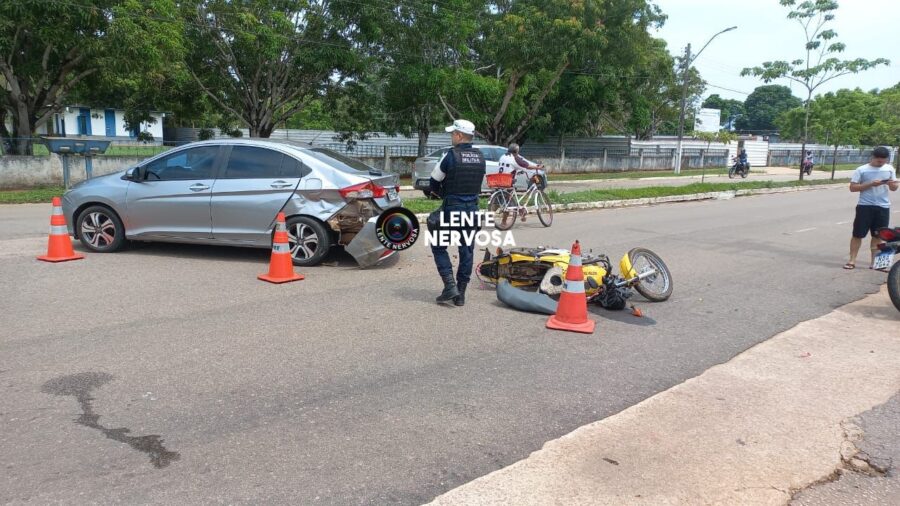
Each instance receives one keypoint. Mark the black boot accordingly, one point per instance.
(460, 299)
(450, 292)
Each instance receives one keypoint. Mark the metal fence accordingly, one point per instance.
(377, 150)
(121, 148)
(791, 157)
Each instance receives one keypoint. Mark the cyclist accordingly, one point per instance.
(513, 161)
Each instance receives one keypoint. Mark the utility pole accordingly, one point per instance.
(684, 86)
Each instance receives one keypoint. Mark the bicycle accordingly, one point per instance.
(506, 203)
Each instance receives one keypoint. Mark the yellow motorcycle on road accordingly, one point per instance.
(545, 269)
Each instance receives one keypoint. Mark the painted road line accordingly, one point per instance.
(842, 222)
(804, 230)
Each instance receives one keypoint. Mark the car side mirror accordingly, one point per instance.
(138, 174)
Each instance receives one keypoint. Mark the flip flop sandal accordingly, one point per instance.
(849, 266)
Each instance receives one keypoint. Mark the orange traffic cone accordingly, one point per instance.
(59, 247)
(281, 269)
(571, 314)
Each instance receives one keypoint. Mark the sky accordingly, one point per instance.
(764, 34)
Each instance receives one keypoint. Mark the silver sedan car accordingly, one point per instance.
(423, 167)
(228, 192)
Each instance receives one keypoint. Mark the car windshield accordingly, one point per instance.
(339, 161)
(439, 153)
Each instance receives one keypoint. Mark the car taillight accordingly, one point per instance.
(888, 234)
(363, 191)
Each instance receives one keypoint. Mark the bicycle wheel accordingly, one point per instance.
(655, 288)
(499, 204)
(544, 208)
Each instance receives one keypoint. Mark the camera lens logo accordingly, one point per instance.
(397, 228)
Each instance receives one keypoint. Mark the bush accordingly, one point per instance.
(206, 134)
(145, 136)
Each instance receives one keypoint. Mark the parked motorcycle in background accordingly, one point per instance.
(883, 260)
(738, 168)
(807, 166)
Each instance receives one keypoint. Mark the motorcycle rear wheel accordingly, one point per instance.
(894, 285)
(656, 288)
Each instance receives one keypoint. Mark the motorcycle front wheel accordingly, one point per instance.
(657, 287)
(894, 285)
(731, 173)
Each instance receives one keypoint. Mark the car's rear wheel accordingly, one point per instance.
(308, 239)
(100, 229)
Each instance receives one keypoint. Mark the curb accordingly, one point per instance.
(726, 195)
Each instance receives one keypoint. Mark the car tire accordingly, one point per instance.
(100, 229)
(316, 240)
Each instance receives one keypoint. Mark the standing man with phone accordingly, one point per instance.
(872, 181)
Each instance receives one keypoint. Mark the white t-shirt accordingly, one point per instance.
(877, 195)
(508, 163)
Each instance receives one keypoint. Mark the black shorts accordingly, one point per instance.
(869, 219)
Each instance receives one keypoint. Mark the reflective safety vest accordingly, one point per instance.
(467, 173)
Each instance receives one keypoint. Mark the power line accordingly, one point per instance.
(728, 89)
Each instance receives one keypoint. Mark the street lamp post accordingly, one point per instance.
(684, 86)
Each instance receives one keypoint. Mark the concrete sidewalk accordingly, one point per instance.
(755, 430)
(666, 178)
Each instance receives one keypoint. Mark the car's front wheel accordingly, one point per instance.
(309, 240)
(100, 229)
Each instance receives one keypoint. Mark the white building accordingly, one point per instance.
(707, 120)
(80, 120)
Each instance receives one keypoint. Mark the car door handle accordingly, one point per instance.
(198, 187)
(281, 184)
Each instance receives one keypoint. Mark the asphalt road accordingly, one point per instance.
(169, 374)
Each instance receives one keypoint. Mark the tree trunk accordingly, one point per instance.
(423, 131)
(5, 136)
(833, 161)
(805, 134)
(265, 130)
(23, 131)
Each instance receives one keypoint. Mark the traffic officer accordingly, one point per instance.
(457, 179)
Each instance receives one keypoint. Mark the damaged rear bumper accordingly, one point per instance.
(366, 248)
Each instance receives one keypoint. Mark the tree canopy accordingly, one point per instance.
(764, 106)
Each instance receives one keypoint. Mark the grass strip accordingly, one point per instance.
(422, 205)
(31, 196)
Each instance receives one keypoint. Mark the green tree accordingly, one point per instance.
(820, 65)
(764, 106)
(731, 109)
(262, 61)
(886, 128)
(841, 118)
(598, 98)
(421, 41)
(523, 50)
(722, 136)
(48, 50)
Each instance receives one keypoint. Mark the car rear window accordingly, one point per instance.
(339, 161)
(250, 162)
(439, 153)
